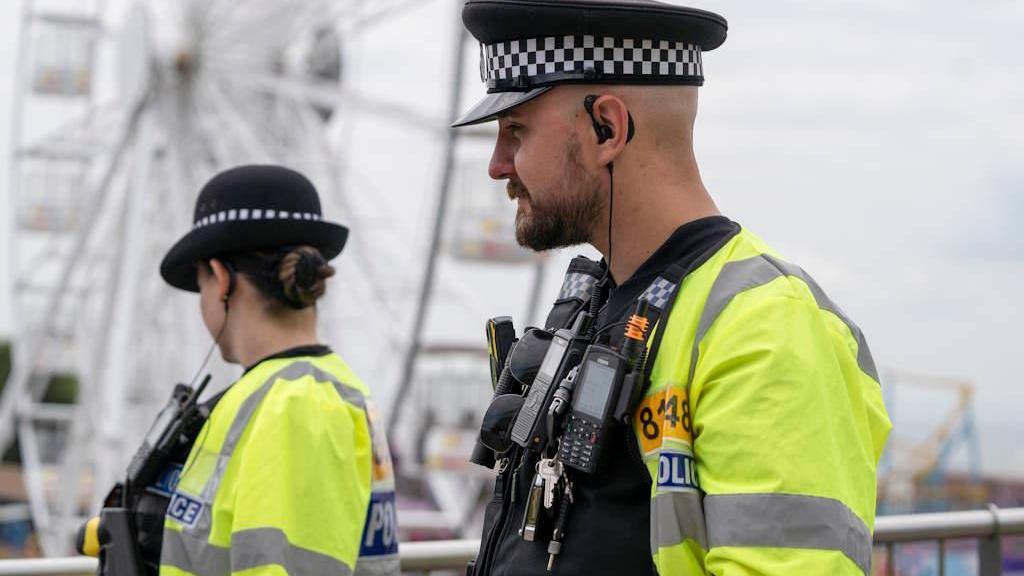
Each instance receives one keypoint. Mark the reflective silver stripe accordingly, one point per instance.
(676, 516)
(297, 370)
(199, 554)
(193, 553)
(238, 426)
(864, 358)
(742, 275)
(787, 521)
(378, 566)
(263, 546)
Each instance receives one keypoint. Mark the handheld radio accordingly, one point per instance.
(115, 534)
(501, 337)
(562, 355)
(598, 386)
(599, 392)
(182, 416)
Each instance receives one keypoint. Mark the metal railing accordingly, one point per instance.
(416, 557)
(988, 527)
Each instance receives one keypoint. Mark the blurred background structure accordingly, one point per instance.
(120, 113)
(890, 169)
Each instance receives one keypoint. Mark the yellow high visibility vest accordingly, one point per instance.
(288, 476)
(763, 425)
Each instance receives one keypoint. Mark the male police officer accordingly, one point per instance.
(754, 443)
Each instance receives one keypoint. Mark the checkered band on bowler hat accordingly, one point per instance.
(247, 209)
(529, 46)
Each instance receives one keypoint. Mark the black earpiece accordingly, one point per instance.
(231, 281)
(604, 131)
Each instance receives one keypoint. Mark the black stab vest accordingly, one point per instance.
(608, 531)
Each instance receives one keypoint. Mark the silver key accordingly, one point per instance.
(551, 471)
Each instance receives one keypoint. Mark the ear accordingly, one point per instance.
(223, 275)
(612, 112)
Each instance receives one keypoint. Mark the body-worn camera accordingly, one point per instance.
(562, 356)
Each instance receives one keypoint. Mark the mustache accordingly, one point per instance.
(515, 189)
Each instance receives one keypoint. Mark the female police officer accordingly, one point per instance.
(289, 474)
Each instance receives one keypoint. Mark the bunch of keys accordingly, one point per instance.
(542, 493)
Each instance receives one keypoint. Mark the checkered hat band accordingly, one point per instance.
(252, 214)
(577, 285)
(577, 54)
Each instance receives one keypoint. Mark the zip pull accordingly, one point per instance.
(502, 465)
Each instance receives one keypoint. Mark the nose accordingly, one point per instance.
(502, 165)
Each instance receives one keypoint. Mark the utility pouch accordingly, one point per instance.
(520, 368)
(496, 429)
(577, 287)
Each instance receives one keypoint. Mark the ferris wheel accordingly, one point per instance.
(123, 109)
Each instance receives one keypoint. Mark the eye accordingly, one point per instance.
(513, 129)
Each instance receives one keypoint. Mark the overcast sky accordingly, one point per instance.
(875, 143)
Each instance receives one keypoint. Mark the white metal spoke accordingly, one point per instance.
(119, 361)
(220, 10)
(359, 247)
(314, 16)
(330, 95)
(320, 93)
(239, 128)
(85, 122)
(25, 355)
(395, 112)
(269, 21)
(381, 13)
(35, 486)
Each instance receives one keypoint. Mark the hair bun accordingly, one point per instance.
(303, 273)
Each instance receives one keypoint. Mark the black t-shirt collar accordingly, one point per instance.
(297, 351)
(688, 243)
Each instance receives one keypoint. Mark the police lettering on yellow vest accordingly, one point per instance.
(751, 443)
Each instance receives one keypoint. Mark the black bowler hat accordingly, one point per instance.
(251, 208)
(528, 46)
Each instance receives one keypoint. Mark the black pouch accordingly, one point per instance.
(496, 428)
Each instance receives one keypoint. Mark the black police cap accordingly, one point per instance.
(528, 46)
(250, 208)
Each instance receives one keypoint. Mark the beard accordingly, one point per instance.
(566, 214)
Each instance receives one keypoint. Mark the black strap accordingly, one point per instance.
(676, 274)
(212, 402)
